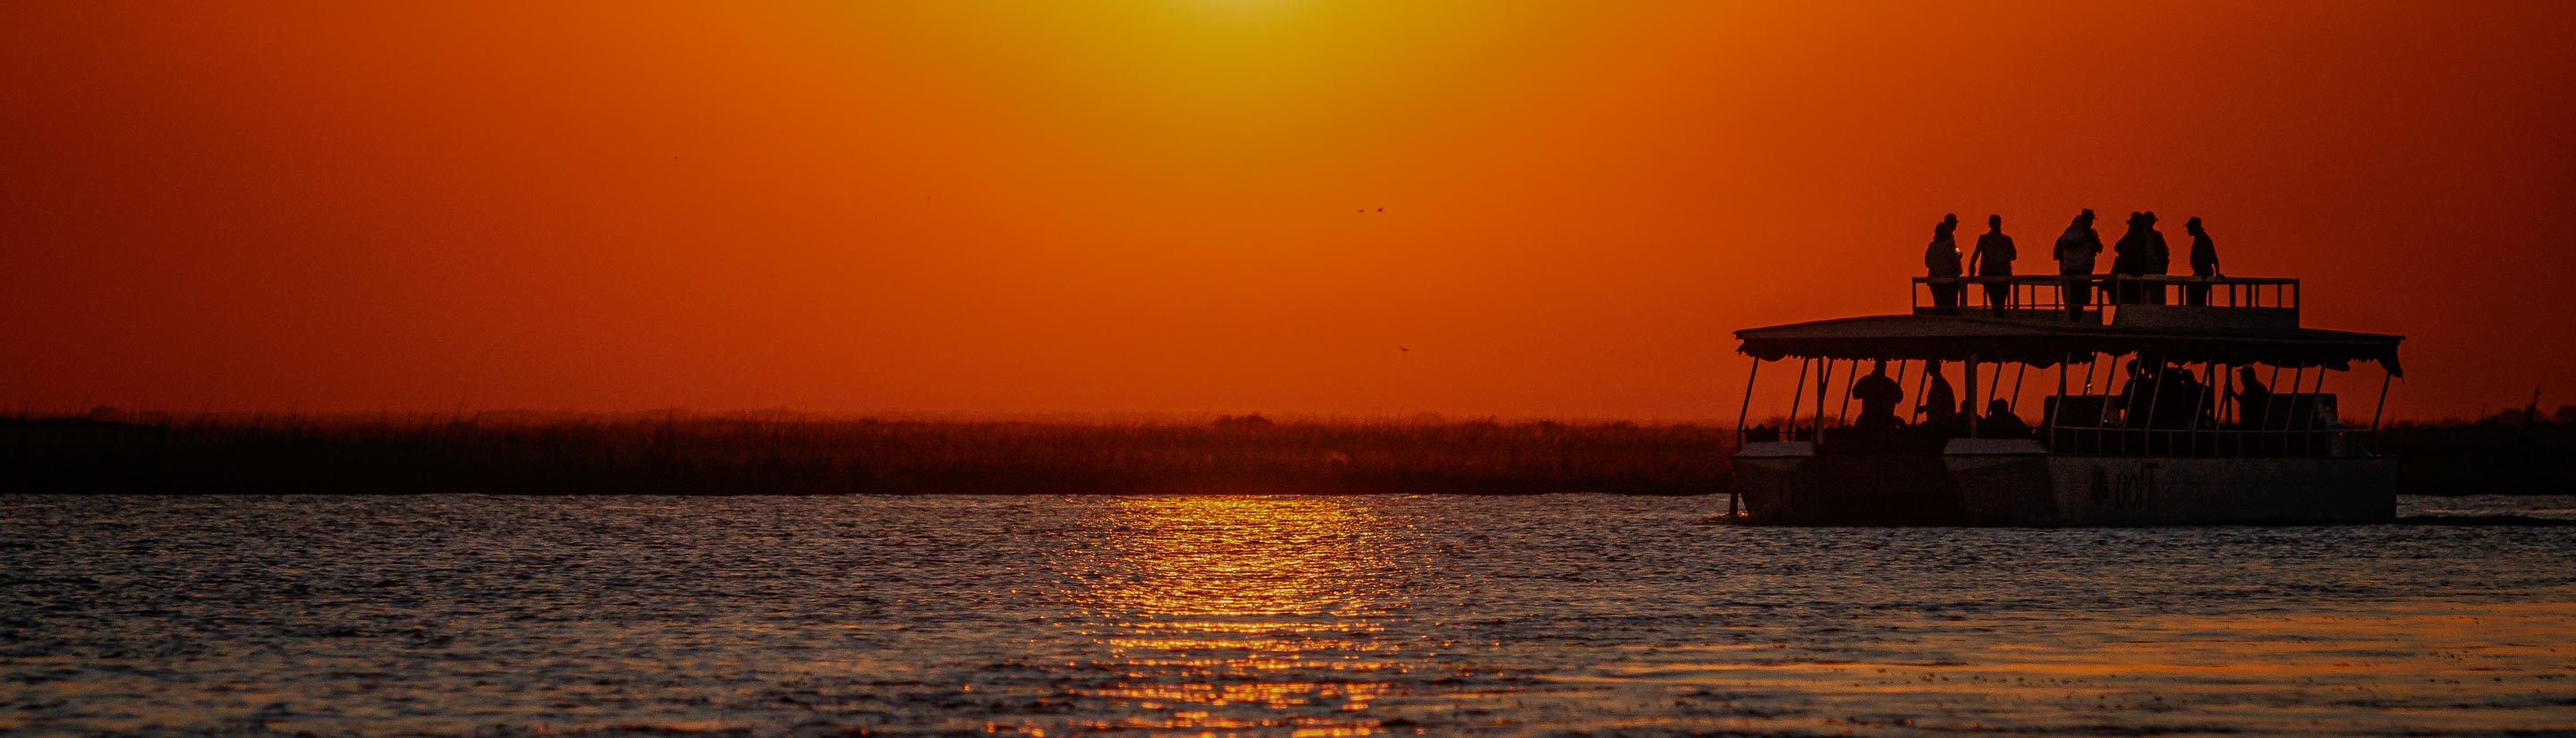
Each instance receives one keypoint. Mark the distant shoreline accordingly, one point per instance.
(702, 455)
(680, 455)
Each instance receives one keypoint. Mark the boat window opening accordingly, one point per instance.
(1842, 415)
(1746, 408)
(2226, 393)
(2012, 403)
(1901, 367)
(1824, 384)
(1921, 383)
(1795, 398)
(2382, 405)
(2289, 410)
(2269, 386)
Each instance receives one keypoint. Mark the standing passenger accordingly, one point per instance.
(2159, 261)
(1994, 258)
(2204, 262)
(2075, 251)
(1941, 262)
(2140, 252)
(1940, 406)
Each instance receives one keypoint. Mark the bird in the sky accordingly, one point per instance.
(1381, 210)
(1402, 348)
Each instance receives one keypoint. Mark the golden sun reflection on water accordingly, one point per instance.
(1229, 613)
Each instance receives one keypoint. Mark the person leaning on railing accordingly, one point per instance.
(2204, 263)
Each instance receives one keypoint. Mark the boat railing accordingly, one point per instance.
(2114, 299)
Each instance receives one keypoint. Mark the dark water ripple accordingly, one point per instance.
(1313, 616)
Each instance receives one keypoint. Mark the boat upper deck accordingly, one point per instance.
(2238, 320)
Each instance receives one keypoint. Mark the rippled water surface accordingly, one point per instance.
(1256, 616)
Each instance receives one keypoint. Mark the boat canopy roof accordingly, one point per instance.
(1957, 338)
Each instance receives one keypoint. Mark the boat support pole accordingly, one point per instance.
(1796, 399)
(2298, 376)
(1740, 413)
(1842, 414)
(1824, 387)
(1919, 383)
(1972, 396)
(2060, 406)
(2375, 410)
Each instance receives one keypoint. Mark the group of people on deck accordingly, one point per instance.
(2139, 252)
(2157, 394)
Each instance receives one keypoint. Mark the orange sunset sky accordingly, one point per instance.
(981, 207)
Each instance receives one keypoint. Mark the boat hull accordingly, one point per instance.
(2016, 483)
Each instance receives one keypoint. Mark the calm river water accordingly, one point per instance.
(1310, 616)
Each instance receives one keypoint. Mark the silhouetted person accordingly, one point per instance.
(2135, 392)
(2253, 400)
(2000, 422)
(1941, 263)
(2158, 260)
(2204, 262)
(1994, 258)
(1940, 404)
(1878, 396)
(2140, 252)
(2179, 401)
(2075, 252)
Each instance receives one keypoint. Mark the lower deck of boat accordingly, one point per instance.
(2020, 483)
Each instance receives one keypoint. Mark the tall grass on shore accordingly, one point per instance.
(2510, 453)
(702, 455)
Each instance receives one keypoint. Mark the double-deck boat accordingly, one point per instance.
(2177, 401)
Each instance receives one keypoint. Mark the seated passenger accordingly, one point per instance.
(2183, 402)
(2000, 422)
(2253, 400)
(1878, 397)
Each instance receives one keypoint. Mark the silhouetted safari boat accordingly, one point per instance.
(2196, 445)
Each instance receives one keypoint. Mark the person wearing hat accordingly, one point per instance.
(2075, 252)
(2140, 252)
(2204, 262)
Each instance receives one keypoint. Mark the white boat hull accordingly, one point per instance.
(2017, 483)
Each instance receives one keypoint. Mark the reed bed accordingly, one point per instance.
(701, 455)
